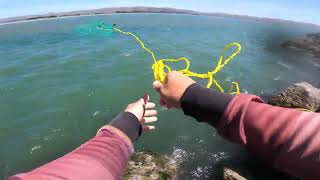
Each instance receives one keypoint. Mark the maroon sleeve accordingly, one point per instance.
(288, 139)
(103, 157)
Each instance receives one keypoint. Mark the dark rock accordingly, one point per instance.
(310, 43)
(299, 95)
(148, 165)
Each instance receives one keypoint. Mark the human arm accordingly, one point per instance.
(106, 155)
(284, 138)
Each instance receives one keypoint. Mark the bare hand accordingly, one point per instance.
(172, 90)
(144, 111)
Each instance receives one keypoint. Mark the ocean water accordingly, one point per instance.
(57, 87)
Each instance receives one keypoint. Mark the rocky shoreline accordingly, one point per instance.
(310, 43)
(105, 11)
(147, 165)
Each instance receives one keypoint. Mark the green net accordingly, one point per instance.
(96, 29)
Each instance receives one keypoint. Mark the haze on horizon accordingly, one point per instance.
(297, 10)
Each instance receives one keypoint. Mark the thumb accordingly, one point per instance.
(139, 102)
(158, 86)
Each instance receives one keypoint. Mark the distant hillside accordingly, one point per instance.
(144, 10)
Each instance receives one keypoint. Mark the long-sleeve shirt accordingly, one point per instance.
(103, 157)
(285, 138)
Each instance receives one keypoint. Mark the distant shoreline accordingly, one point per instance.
(40, 19)
(128, 10)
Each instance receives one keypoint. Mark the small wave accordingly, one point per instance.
(201, 172)
(179, 155)
(315, 64)
(284, 65)
(35, 148)
(55, 132)
(91, 93)
(96, 113)
(276, 78)
(220, 156)
(204, 172)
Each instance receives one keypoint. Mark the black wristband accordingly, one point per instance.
(205, 105)
(129, 124)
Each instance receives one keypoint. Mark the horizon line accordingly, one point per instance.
(49, 15)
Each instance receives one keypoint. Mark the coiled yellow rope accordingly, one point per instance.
(160, 67)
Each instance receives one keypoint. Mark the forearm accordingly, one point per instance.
(285, 138)
(103, 157)
(204, 104)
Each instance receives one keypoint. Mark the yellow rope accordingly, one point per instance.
(159, 65)
(160, 68)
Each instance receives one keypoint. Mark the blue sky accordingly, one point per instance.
(299, 10)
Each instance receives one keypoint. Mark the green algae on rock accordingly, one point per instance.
(147, 165)
(299, 95)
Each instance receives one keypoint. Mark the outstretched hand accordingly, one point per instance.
(144, 111)
(172, 89)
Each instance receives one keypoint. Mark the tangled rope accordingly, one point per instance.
(160, 67)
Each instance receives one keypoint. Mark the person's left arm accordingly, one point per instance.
(106, 155)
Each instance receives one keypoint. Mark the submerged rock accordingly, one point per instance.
(299, 95)
(148, 165)
(310, 43)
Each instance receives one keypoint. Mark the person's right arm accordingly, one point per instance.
(285, 138)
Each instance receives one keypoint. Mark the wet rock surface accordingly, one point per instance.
(229, 174)
(299, 95)
(149, 165)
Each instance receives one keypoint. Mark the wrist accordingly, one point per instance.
(183, 92)
(205, 105)
(129, 124)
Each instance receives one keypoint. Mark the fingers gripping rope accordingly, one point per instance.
(160, 67)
